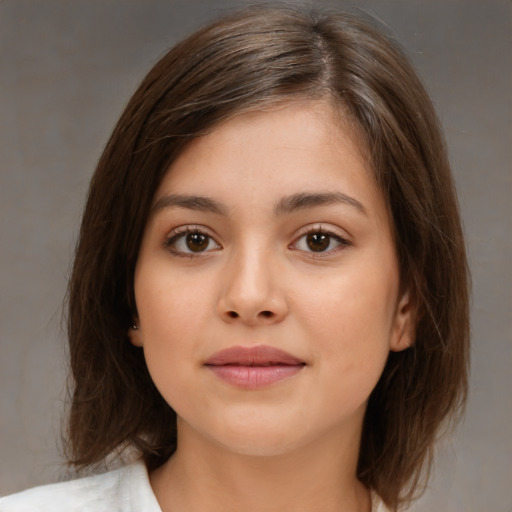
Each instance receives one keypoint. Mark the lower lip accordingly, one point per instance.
(255, 377)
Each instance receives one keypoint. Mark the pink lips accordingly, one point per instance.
(254, 367)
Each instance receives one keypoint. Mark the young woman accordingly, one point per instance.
(268, 308)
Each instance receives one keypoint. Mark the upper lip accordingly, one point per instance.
(259, 355)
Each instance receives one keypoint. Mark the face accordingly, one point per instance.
(267, 284)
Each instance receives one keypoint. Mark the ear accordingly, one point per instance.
(404, 329)
(134, 334)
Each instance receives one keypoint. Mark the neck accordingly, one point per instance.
(205, 477)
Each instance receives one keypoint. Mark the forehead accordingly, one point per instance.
(259, 157)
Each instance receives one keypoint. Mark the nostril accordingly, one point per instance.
(261, 314)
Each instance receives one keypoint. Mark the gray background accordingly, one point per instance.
(66, 70)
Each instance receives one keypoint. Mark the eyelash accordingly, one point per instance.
(182, 232)
(319, 230)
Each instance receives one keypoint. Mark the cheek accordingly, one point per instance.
(172, 314)
(350, 318)
(350, 336)
(170, 304)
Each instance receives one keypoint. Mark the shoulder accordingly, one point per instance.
(123, 490)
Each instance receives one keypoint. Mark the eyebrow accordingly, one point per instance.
(290, 204)
(306, 200)
(189, 202)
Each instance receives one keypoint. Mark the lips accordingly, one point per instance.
(254, 367)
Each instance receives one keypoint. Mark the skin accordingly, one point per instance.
(292, 445)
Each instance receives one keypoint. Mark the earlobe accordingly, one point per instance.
(404, 331)
(135, 335)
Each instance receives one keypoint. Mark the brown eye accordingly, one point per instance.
(318, 242)
(197, 242)
(190, 242)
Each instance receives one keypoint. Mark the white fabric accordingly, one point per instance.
(377, 505)
(124, 490)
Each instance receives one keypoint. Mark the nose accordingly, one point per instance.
(251, 291)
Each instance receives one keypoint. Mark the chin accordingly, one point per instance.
(259, 440)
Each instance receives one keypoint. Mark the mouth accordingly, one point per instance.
(254, 367)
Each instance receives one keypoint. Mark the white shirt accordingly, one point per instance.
(123, 490)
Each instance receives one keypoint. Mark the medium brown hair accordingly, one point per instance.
(247, 61)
